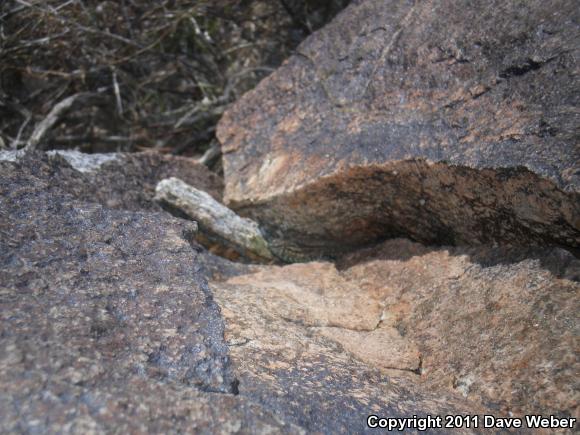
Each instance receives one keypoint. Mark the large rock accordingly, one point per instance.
(107, 324)
(298, 348)
(498, 326)
(450, 121)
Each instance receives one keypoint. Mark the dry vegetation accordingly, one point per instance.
(135, 74)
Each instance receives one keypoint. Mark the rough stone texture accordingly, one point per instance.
(124, 181)
(313, 295)
(448, 122)
(493, 323)
(304, 374)
(106, 322)
(496, 325)
(371, 347)
(83, 162)
(134, 405)
(107, 325)
(215, 220)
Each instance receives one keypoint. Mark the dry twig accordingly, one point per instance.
(52, 118)
(170, 68)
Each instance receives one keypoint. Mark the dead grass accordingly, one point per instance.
(159, 73)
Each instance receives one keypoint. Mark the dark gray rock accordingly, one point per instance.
(97, 303)
(124, 181)
(448, 122)
(107, 323)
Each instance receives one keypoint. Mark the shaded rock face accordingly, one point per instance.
(496, 325)
(448, 122)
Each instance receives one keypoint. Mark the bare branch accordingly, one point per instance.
(212, 154)
(117, 93)
(16, 141)
(52, 118)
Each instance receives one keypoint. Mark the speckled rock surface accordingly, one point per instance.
(448, 122)
(492, 323)
(117, 180)
(304, 373)
(108, 325)
(106, 321)
(496, 325)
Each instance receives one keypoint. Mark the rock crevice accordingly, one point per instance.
(434, 203)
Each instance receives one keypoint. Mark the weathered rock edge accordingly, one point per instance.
(486, 88)
(494, 324)
(121, 181)
(106, 321)
(434, 203)
(302, 374)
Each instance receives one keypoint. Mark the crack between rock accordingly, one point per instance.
(459, 102)
(304, 325)
(512, 71)
(528, 66)
(399, 369)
